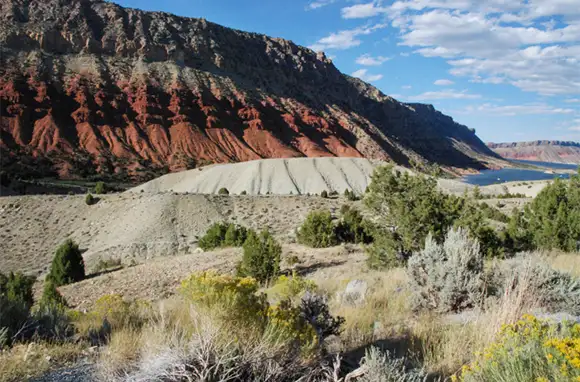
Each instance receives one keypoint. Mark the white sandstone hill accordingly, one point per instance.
(270, 176)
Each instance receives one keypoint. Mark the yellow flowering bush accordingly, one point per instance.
(286, 325)
(528, 350)
(234, 297)
(291, 287)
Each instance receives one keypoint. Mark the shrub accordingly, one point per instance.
(261, 258)
(448, 277)
(17, 287)
(223, 191)
(100, 188)
(90, 200)
(68, 265)
(353, 228)
(529, 350)
(16, 299)
(223, 235)
(350, 195)
(553, 217)
(291, 287)
(235, 236)
(409, 208)
(214, 237)
(382, 367)
(385, 251)
(230, 297)
(554, 290)
(243, 192)
(51, 296)
(318, 230)
(314, 310)
(324, 194)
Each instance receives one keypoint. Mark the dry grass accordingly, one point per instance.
(24, 361)
(566, 262)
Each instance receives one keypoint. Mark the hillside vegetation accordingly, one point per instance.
(452, 289)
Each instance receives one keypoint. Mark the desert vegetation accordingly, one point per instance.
(453, 290)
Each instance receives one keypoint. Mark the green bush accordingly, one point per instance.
(261, 258)
(223, 235)
(223, 191)
(324, 194)
(51, 296)
(17, 287)
(235, 236)
(352, 228)
(243, 192)
(16, 299)
(100, 188)
(318, 230)
(90, 200)
(350, 195)
(214, 237)
(411, 207)
(68, 265)
(553, 217)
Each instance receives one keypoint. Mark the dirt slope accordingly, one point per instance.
(275, 176)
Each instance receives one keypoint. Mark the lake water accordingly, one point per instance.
(488, 177)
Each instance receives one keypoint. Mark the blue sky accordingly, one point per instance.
(508, 68)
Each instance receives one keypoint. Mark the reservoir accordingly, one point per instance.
(487, 177)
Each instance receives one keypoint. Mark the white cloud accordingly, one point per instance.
(365, 76)
(443, 82)
(360, 11)
(406, 87)
(444, 94)
(319, 4)
(368, 60)
(344, 39)
(514, 110)
(572, 100)
(533, 45)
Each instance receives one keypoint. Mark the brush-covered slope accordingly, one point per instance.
(542, 151)
(88, 87)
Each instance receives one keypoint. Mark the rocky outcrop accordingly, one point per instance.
(89, 87)
(542, 151)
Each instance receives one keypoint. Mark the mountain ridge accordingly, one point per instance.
(89, 87)
(540, 150)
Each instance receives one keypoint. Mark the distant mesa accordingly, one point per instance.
(542, 151)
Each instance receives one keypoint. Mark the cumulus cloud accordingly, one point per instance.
(444, 94)
(443, 83)
(533, 45)
(368, 60)
(360, 11)
(319, 4)
(344, 39)
(365, 76)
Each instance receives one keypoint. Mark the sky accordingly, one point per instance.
(508, 68)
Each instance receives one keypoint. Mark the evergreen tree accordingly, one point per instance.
(261, 259)
(68, 265)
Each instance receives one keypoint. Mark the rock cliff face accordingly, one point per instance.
(542, 151)
(89, 87)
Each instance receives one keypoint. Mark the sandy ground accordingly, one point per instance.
(136, 227)
(160, 278)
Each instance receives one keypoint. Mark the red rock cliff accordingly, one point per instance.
(89, 87)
